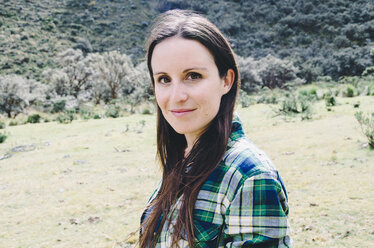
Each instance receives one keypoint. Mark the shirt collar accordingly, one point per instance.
(237, 131)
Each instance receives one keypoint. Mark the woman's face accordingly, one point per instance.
(188, 88)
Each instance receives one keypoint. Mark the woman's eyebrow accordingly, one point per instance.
(184, 71)
(195, 68)
(157, 73)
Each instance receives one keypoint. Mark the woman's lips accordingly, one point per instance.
(181, 112)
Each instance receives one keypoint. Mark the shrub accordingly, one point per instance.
(310, 95)
(2, 125)
(58, 106)
(295, 105)
(146, 111)
(367, 126)
(112, 111)
(35, 118)
(268, 96)
(313, 92)
(3, 137)
(85, 112)
(330, 100)
(13, 123)
(350, 92)
(65, 118)
(349, 80)
(245, 100)
(97, 116)
(369, 71)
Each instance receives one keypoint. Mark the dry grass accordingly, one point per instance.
(85, 184)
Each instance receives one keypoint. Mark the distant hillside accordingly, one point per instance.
(322, 37)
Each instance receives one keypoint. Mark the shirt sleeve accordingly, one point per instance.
(257, 215)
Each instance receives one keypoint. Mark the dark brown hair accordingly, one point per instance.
(210, 147)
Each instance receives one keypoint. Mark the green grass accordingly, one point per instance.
(85, 184)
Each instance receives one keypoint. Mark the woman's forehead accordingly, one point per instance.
(176, 52)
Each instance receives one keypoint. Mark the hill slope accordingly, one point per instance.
(322, 37)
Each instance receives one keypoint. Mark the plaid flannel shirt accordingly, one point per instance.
(243, 203)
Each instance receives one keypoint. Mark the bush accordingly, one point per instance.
(112, 111)
(2, 125)
(268, 96)
(65, 118)
(146, 111)
(367, 126)
(330, 100)
(3, 137)
(35, 118)
(295, 105)
(58, 106)
(350, 91)
(13, 123)
(85, 112)
(310, 95)
(245, 100)
(97, 116)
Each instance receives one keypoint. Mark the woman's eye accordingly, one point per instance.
(194, 76)
(163, 80)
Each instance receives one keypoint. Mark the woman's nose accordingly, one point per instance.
(179, 92)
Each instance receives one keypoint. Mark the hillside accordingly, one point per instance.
(322, 37)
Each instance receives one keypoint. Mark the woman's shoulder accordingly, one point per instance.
(246, 160)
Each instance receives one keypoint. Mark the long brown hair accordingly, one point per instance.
(210, 147)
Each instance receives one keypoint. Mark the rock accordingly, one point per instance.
(79, 162)
(121, 150)
(25, 148)
(74, 221)
(93, 220)
(67, 171)
(307, 228)
(288, 153)
(5, 156)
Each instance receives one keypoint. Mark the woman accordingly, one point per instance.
(217, 188)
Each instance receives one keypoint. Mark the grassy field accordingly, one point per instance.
(85, 184)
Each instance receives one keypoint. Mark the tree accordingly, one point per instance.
(275, 72)
(143, 90)
(74, 78)
(16, 93)
(114, 69)
(250, 81)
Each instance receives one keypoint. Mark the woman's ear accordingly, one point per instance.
(228, 81)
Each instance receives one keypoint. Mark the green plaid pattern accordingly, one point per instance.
(243, 203)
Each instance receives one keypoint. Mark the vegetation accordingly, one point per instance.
(367, 126)
(104, 171)
(292, 105)
(331, 38)
(35, 118)
(65, 118)
(3, 137)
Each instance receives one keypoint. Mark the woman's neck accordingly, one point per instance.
(191, 139)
